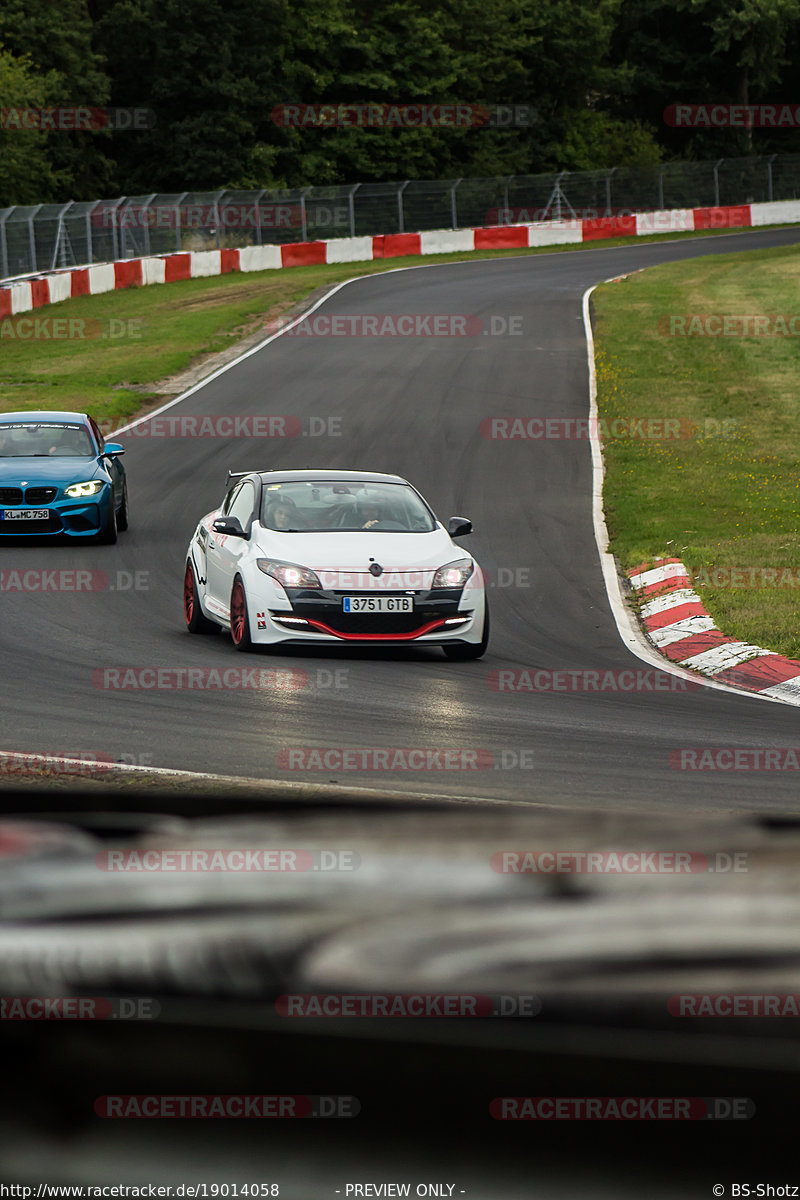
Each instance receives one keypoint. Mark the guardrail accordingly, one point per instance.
(46, 237)
(24, 295)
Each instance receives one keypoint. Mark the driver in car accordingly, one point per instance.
(371, 513)
(282, 514)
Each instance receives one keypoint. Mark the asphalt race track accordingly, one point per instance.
(411, 406)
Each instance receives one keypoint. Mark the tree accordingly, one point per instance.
(26, 173)
(56, 40)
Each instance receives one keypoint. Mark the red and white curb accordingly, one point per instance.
(676, 623)
(25, 295)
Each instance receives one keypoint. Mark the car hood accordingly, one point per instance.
(345, 550)
(48, 470)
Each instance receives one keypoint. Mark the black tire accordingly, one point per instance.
(463, 651)
(108, 534)
(122, 515)
(240, 617)
(196, 620)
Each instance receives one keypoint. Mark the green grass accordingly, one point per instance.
(716, 502)
(114, 378)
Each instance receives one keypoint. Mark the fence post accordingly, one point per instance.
(59, 249)
(453, 213)
(257, 215)
(770, 161)
(661, 171)
(89, 243)
(352, 207)
(146, 205)
(303, 221)
(215, 203)
(32, 239)
(4, 243)
(177, 207)
(608, 191)
(115, 227)
(505, 220)
(400, 221)
(717, 166)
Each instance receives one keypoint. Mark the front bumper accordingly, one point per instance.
(75, 518)
(438, 617)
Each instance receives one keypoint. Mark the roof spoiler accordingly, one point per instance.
(238, 475)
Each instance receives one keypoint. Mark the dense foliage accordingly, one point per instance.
(596, 76)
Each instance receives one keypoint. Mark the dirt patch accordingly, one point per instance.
(245, 336)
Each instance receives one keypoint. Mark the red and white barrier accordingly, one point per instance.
(56, 286)
(680, 628)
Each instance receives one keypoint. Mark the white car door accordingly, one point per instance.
(224, 551)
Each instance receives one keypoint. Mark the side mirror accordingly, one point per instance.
(112, 450)
(459, 526)
(230, 525)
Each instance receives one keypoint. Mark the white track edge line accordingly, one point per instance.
(627, 625)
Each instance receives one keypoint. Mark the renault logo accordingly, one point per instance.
(375, 569)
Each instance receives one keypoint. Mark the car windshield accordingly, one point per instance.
(323, 506)
(44, 441)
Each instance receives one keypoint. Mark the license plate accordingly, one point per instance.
(379, 604)
(25, 514)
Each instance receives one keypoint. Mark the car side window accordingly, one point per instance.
(229, 499)
(242, 504)
(101, 441)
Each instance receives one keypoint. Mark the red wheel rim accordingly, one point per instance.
(188, 593)
(238, 612)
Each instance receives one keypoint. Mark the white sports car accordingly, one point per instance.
(334, 558)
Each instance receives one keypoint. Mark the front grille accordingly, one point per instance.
(10, 495)
(26, 528)
(327, 608)
(39, 495)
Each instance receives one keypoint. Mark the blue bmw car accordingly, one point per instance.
(58, 475)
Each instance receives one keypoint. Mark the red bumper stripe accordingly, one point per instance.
(379, 637)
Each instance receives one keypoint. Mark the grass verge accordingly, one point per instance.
(724, 495)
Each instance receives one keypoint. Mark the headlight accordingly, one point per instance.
(89, 488)
(454, 574)
(288, 575)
